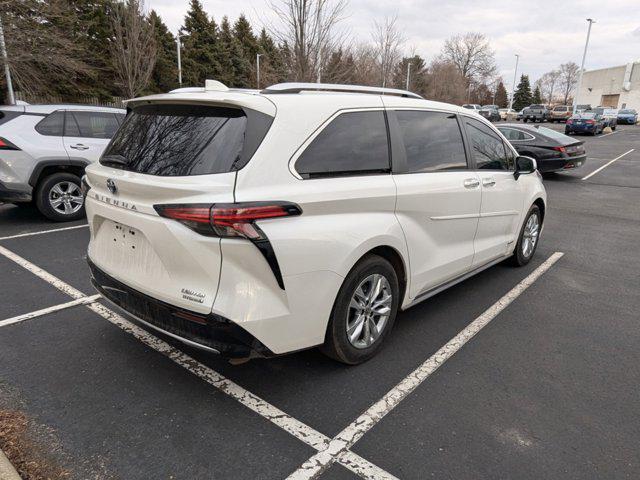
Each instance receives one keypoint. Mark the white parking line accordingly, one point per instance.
(607, 164)
(313, 467)
(301, 431)
(45, 311)
(607, 134)
(30, 234)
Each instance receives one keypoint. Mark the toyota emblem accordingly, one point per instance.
(111, 185)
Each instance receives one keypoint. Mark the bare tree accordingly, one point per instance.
(388, 43)
(41, 49)
(548, 84)
(568, 79)
(445, 83)
(134, 46)
(471, 54)
(309, 30)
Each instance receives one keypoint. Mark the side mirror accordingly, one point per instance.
(525, 165)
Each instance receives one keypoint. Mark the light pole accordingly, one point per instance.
(584, 56)
(408, 74)
(179, 46)
(513, 86)
(258, 55)
(7, 73)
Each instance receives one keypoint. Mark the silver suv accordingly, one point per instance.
(44, 150)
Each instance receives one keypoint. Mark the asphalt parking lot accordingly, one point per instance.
(543, 382)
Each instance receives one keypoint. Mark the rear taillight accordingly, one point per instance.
(590, 122)
(560, 149)
(569, 122)
(7, 145)
(228, 219)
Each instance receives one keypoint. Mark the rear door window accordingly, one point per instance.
(432, 141)
(489, 151)
(183, 140)
(354, 143)
(91, 124)
(52, 124)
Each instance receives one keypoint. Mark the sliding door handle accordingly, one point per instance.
(488, 182)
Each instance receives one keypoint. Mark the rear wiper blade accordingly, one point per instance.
(118, 160)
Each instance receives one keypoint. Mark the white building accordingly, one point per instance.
(615, 87)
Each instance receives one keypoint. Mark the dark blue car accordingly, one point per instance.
(588, 122)
(628, 116)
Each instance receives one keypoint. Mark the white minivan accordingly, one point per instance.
(256, 223)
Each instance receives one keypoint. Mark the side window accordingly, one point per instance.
(488, 150)
(71, 128)
(52, 124)
(512, 134)
(353, 143)
(95, 124)
(119, 117)
(432, 141)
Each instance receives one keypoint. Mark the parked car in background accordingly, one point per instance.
(472, 106)
(507, 113)
(628, 116)
(583, 108)
(586, 122)
(535, 113)
(490, 112)
(609, 116)
(223, 194)
(552, 150)
(44, 150)
(520, 115)
(560, 113)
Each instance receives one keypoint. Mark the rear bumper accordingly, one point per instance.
(8, 194)
(559, 164)
(210, 332)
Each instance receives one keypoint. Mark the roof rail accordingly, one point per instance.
(334, 87)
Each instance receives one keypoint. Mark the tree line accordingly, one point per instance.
(106, 48)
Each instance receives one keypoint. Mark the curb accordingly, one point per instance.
(7, 472)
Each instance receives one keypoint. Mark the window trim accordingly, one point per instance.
(399, 163)
(72, 112)
(347, 174)
(505, 142)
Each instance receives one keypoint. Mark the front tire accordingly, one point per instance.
(59, 197)
(528, 239)
(364, 311)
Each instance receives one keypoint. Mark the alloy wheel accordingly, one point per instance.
(369, 311)
(530, 235)
(66, 198)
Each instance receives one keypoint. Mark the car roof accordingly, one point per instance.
(46, 109)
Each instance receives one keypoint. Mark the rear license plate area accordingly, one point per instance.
(125, 237)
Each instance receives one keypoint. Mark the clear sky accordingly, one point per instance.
(544, 32)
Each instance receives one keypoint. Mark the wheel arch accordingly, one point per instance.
(48, 167)
(541, 205)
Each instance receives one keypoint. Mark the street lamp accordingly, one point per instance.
(584, 56)
(258, 55)
(408, 74)
(513, 86)
(179, 46)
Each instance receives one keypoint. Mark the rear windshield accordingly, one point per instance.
(627, 112)
(183, 140)
(552, 133)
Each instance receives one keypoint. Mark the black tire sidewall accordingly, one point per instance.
(518, 257)
(42, 197)
(337, 344)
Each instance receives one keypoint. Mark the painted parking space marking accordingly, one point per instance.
(342, 442)
(42, 232)
(46, 311)
(607, 164)
(298, 429)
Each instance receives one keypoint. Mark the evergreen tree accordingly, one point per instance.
(522, 97)
(502, 99)
(244, 35)
(201, 49)
(417, 81)
(165, 72)
(537, 95)
(235, 70)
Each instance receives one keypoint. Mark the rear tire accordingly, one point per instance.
(59, 197)
(363, 315)
(528, 239)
